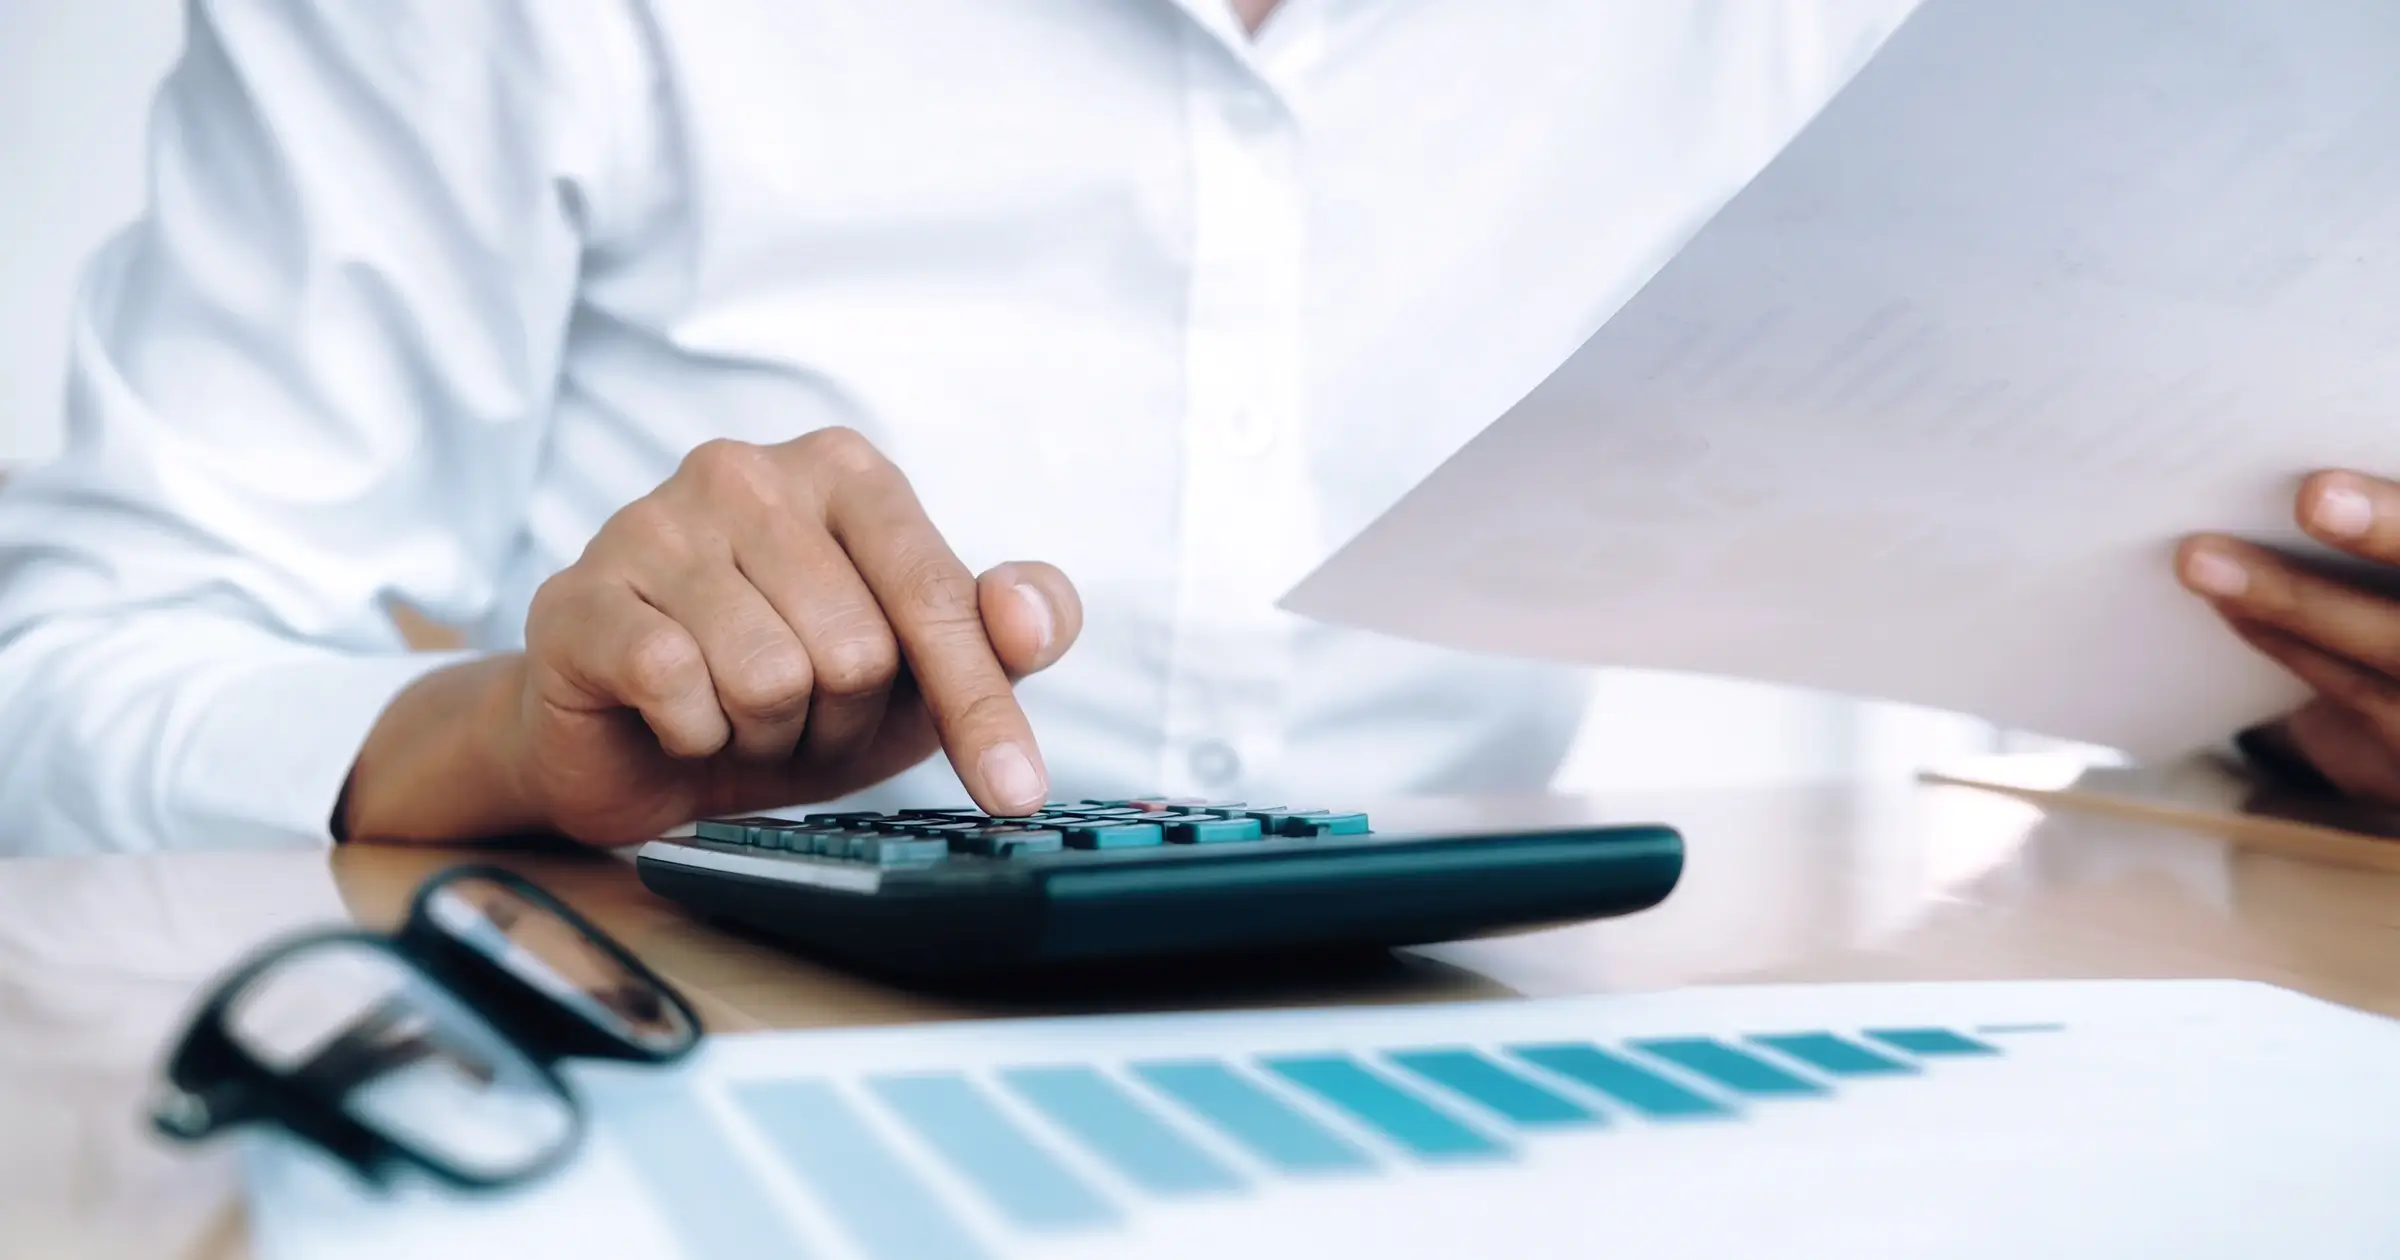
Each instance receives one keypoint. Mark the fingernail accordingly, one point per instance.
(2216, 574)
(2342, 512)
(1008, 774)
(1044, 622)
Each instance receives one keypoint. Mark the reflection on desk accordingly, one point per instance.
(1888, 881)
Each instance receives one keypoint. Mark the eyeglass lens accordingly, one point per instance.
(358, 1026)
(552, 954)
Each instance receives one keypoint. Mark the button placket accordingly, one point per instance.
(1246, 492)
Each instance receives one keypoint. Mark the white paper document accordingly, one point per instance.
(1921, 413)
(2101, 1119)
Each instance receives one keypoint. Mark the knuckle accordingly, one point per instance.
(553, 602)
(662, 664)
(726, 471)
(858, 663)
(720, 459)
(559, 617)
(646, 527)
(942, 594)
(987, 712)
(843, 450)
(771, 686)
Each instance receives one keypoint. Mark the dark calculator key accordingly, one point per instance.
(849, 821)
(961, 812)
(931, 826)
(1005, 840)
(1210, 829)
(1238, 810)
(1113, 835)
(1277, 821)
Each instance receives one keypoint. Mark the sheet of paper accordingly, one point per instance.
(2103, 1119)
(1922, 411)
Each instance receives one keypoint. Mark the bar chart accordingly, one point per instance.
(1050, 1150)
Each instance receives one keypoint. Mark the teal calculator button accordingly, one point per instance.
(817, 841)
(1211, 830)
(723, 830)
(903, 850)
(1113, 835)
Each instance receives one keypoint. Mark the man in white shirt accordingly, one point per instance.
(697, 357)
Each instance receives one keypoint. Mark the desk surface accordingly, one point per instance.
(99, 956)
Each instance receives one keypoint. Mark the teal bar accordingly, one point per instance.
(1247, 1113)
(1629, 1083)
(698, 1182)
(1739, 1072)
(877, 1197)
(1406, 1119)
(1833, 1055)
(1932, 1043)
(1117, 1128)
(1478, 1079)
(1021, 1178)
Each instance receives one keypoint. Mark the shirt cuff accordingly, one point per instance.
(264, 765)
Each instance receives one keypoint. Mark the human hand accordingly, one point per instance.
(2340, 639)
(774, 625)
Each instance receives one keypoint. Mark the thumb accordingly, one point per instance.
(1031, 613)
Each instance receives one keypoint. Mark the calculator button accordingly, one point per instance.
(932, 826)
(1209, 829)
(724, 830)
(1326, 825)
(900, 850)
(817, 841)
(1005, 840)
(1164, 805)
(850, 821)
(767, 833)
(1113, 835)
(774, 836)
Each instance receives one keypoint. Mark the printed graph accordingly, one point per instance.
(1052, 1149)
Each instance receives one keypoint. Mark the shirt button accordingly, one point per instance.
(1253, 110)
(1249, 431)
(1214, 763)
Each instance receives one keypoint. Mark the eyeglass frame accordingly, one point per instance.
(211, 1084)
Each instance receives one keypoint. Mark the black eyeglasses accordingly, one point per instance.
(434, 1047)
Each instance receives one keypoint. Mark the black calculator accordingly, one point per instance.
(953, 893)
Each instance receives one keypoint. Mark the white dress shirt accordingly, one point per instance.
(427, 289)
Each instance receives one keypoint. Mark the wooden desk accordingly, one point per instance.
(99, 957)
